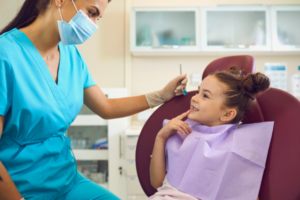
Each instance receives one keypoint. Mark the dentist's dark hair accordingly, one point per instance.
(27, 14)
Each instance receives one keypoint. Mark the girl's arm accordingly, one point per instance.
(158, 165)
(8, 190)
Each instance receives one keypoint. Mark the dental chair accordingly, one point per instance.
(281, 178)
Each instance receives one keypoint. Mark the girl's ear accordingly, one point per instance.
(228, 115)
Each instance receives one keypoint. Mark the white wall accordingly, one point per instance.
(8, 10)
(104, 52)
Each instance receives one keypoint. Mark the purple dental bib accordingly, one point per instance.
(219, 163)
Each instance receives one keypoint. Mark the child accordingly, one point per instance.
(212, 157)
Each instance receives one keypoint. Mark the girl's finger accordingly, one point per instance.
(183, 115)
(184, 126)
(187, 127)
(178, 128)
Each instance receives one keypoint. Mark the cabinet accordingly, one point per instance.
(134, 189)
(166, 29)
(97, 147)
(286, 28)
(227, 28)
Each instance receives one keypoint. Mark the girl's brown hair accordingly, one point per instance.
(241, 89)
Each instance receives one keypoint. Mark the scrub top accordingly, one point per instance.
(34, 148)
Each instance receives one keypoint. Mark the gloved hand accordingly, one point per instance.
(172, 89)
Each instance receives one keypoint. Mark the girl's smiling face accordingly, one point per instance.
(207, 106)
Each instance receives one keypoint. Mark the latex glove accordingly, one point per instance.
(172, 89)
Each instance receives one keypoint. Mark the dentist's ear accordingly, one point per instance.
(59, 3)
(228, 115)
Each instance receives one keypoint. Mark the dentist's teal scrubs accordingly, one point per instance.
(34, 147)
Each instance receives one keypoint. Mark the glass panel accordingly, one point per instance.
(288, 28)
(236, 29)
(167, 28)
(96, 171)
(88, 137)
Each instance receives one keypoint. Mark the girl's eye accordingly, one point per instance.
(197, 92)
(205, 96)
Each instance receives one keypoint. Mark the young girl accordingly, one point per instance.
(211, 157)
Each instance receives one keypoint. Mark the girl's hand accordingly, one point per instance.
(176, 124)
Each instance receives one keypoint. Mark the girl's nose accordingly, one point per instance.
(194, 99)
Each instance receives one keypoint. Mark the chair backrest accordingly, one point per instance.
(245, 63)
(146, 140)
(281, 179)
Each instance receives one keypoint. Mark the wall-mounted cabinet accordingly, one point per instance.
(235, 28)
(286, 28)
(164, 29)
(266, 30)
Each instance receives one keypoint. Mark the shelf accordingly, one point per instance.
(90, 154)
(215, 53)
(133, 132)
(89, 120)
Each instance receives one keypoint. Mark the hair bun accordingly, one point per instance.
(252, 84)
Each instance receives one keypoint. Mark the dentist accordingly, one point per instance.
(44, 82)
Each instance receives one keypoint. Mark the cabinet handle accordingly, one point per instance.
(236, 46)
(120, 145)
(166, 47)
(121, 170)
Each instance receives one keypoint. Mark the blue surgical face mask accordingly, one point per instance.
(78, 30)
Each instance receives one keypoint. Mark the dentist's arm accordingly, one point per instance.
(8, 190)
(158, 165)
(107, 108)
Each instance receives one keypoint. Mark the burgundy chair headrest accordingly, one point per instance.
(245, 63)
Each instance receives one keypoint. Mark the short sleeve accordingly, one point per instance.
(5, 85)
(88, 80)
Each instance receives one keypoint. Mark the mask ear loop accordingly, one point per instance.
(74, 5)
(60, 12)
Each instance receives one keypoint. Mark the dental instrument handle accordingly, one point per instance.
(183, 91)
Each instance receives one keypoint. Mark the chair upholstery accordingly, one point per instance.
(281, 179)
(245, 63)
